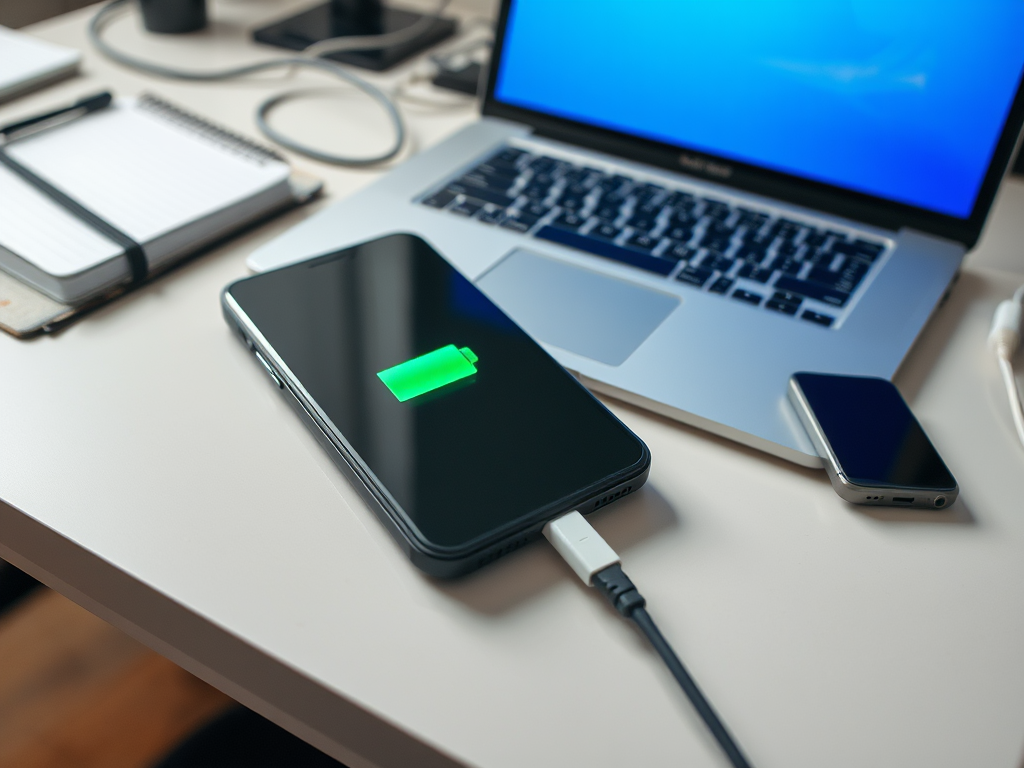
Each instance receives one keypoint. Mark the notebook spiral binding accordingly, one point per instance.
(221, 136)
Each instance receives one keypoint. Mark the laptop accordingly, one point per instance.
(686, 203)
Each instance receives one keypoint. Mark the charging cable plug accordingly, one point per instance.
(1004, 338)
(598, 565)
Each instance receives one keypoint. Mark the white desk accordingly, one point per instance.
(149, 472)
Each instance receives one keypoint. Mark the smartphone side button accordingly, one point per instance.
(270, 371)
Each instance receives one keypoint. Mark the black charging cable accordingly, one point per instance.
(598, 566)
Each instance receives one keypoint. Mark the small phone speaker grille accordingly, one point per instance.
(494, 554)
(612, 497)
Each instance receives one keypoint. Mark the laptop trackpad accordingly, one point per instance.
(578, 310)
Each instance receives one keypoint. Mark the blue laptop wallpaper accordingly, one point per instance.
(902, 100)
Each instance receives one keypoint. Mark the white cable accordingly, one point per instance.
(1006, 367)
(1004, 338)
(310, 58)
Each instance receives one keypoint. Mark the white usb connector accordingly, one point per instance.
(580, 546)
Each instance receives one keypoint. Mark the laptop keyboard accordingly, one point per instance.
(753, 256)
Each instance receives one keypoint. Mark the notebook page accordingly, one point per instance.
(37, 229)
(143, 174)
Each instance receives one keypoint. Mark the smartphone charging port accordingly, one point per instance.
(902, 499)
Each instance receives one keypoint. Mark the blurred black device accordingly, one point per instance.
(465, 80)
(342, 18)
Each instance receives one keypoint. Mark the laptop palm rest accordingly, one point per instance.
(578, 310)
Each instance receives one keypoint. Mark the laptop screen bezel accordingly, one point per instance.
(858, 206)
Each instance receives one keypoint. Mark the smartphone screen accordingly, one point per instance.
(466, 422)
(873, 434)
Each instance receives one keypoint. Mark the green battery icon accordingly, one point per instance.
(429, 372)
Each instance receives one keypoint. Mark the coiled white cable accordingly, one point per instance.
(1004, 338)
(309, 58)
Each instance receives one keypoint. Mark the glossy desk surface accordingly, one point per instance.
(149, 471)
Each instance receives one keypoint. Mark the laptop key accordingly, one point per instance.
(721, 285)
(788, 248)
(867, 249)
(641, 221)
(751, 253)
(695, 276)
(535, 209)
(491, 214)
(480, 193)
(679, 252)
(787, 265)
(520, 223)
(679, 233)
(747, 296)
(815, 239)
(642, 241)
(571, 202)
(752, 220)
(785, 307)
(715, 242)
(787, 298)
(754, 272)
(812, 290)
(846, 280)
(467, 207)
(716, 209)
(509, 155)
(495, 183)
(717, 261)
(607, 250)
(605, 231)
(568, 220)
(817, 317)
(439, 199)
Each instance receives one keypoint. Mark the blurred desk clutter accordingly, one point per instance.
(98, 204)
(27, 63)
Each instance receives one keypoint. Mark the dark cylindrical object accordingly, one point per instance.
(173, 16)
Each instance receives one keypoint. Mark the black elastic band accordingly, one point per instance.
(132, 250)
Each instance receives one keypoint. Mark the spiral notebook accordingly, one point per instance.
(168, 179)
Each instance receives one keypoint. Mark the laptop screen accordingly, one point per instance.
(900, 100)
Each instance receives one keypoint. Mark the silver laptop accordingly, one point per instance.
(686, 204)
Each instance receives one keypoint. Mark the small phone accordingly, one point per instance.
(462, 434)
(875, 451)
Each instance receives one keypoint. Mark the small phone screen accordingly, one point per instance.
(872, 432)
(461, 416)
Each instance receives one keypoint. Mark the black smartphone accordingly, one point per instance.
(463, 435)
(875, 451)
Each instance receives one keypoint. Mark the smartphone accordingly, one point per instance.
(462, 434)
(875, 451)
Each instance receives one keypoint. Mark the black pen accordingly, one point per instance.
(84, 106)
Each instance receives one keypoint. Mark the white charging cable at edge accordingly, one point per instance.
(1004, 338)
(597, 565)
